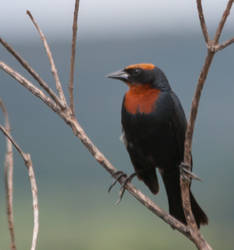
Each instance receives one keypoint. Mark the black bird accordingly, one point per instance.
(154, 126)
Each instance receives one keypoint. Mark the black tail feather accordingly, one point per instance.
(172, 185)
(199, 215)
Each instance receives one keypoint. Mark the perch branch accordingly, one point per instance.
(102, 160)
(9, 178)
(49, 54)
(34, 74)
(29, 165)
(73, 54)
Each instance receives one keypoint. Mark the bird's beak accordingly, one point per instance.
(120, 75)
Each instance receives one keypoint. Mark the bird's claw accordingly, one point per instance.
(187, 174)
(117, 175)
(123, 187)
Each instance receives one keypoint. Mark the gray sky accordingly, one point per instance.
(98, 17)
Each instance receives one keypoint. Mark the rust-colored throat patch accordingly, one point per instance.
(141, 98)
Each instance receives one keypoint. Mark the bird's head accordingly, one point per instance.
(140, 74)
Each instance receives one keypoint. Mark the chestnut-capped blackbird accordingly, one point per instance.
(154, 126)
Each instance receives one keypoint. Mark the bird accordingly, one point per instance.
(154, 127)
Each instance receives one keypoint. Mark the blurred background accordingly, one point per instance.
(76, 212)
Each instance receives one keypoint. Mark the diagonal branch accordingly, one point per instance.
(29, 165)
(224, 44)
(28, 85)
(223, 21)
(202, 21)
(34, 74)
(9, 178)
(73, 54)
(49, 54)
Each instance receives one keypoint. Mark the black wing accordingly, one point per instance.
(178, 123)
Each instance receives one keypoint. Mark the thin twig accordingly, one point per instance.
(224, 44)
(49, 54)
(73, 54)
(194, 107)
(28, 85)
(33, 73)
(222, 21)
(29, 165)
(9, 178)
(202, 21)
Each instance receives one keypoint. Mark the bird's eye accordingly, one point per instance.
(136, 72)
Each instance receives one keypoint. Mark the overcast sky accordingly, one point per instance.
(109, 17)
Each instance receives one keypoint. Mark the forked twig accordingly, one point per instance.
(28, 85)
(34, 74)
(224, 44)
(73, 54)
(29, 165)
(9, 164)
(185, 185)
(222, 21)
(201, 80)
(49, 54)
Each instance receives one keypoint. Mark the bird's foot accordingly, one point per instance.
(187, 174)
(117, 175)
(123, 187)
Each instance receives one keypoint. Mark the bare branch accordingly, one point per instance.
(73, 53)
(9, 178)
(222, 21)
(213, 47)
(202, 21)
(34, 74)
(185, 185)
(194, 108)
(200, 84)
(49, 54)
(224, 44)
(29, 165)
(28, 85)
